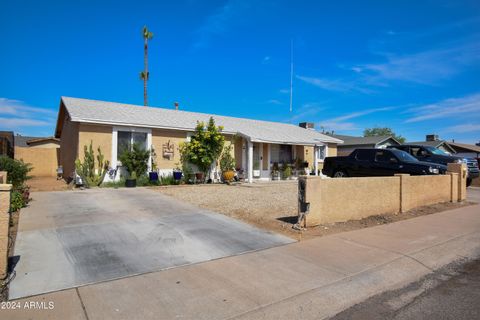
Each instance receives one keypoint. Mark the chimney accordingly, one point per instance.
(307, 125)
(432, 137)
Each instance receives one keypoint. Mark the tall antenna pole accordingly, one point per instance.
(291, 75)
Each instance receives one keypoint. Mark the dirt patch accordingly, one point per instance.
(273, 207)
(47, 184)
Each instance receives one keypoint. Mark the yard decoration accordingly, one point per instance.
(153, 175)
(204, 147)
(86, 170)
(136, 163)
(227, 164)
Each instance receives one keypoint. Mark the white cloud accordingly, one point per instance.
(333, 85)
(339, 123)
(285, 91)
(307, 110)
(448, 108)
(426, 67)
(20, 109)
(15, 123)
(275, 101)
(266, 59)
(219, 22)
(462, 128)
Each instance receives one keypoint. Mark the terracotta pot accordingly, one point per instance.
(228, 175)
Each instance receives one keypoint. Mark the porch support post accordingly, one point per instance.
(250, 160)
(315, 159)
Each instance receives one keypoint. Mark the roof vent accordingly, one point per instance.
(307, 125)
(432, 137)
(176, 105)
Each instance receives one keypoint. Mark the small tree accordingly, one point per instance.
(377, 131)
(227, 162)
(205, 146)
(135, 160)
(86, 169)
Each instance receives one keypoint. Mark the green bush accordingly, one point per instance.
(135, 161)
(17, 201)
(17, 171)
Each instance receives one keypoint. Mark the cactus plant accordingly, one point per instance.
(86, 170)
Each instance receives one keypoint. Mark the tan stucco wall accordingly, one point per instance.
(424, 190)
(461, 169)
(4, 226)
(161, 137)
(99, 135)
(44, 161)
(332, 150)
(336, 200)
(68, 147)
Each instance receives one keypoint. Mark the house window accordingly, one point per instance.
(126, 139)
(321, 153)
(281, 153)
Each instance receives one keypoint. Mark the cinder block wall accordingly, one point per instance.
(337, 200)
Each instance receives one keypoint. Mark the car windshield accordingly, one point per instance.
(403, 156)
(437, 151)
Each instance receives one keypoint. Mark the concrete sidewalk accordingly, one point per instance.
(312, 279)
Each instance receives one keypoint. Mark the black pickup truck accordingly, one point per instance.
(435, 155)
(378, 162)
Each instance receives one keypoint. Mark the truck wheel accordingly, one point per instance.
(469, 182)
(340, 174)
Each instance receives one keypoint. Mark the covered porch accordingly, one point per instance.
(263, 160)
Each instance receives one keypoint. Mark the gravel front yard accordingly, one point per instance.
(260, 204)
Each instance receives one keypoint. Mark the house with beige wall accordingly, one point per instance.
(113, 126)
(42, 153)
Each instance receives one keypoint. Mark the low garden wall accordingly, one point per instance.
(43, 160)
(4, 222)
(337, 200)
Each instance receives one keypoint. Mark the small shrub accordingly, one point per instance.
(17, 201)
(227, 162)
(135, 161)
(17, 171)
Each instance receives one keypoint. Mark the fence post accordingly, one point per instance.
(404, 207)
(461, 169)
(453, 186)
(5, 190)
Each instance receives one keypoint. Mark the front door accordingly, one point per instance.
(257, 166)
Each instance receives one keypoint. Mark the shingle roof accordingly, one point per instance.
(434, 143)
(351, 140)
(471, 147)
(23, 141)
(101, 112)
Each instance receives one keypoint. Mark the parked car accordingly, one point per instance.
(435, 155)
(378, 162)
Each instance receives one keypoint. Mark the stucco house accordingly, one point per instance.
(466, 150)
(351, 143)
(110, 125)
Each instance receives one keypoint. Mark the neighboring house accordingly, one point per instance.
(466, 150)
(113, 125)
(6, 144)
(432, 140)
(351, 143)
(42, 153)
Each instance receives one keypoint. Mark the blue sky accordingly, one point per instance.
(413, 66)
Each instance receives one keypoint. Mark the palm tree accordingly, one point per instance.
(144, 75)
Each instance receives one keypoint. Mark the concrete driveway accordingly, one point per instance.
(73, 238)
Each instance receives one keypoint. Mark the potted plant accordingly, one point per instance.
(287, 172)
(153, 174)
(135, 161)
(256, 169)
(275, 171)
(227, 165)
(131, 181)
(177, 173)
